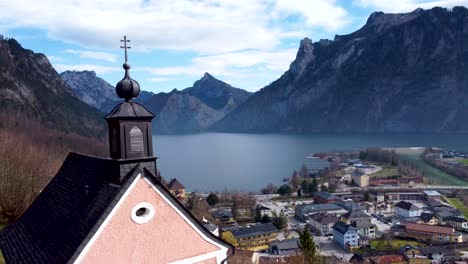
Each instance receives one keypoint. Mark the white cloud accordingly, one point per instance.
(229, 64)
(206, 26)
(99, 69)
(96, 55)
(321, 13)
(407, 5)
(246, 69)
(158, 79)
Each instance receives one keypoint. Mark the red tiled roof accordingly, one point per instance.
(430, 228)
(384, 181)
(388, 259)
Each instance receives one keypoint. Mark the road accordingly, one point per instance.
(328, 247)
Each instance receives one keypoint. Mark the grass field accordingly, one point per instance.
(457, 203)
(464, 161)
(435, 175)
(385, 172)
(382, 245)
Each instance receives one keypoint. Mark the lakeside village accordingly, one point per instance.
(359, 207)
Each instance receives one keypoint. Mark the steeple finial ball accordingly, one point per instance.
(127, 88)
(126, 66)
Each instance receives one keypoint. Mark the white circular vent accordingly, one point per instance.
(142, 213)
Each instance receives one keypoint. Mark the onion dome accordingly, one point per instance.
(127, 88)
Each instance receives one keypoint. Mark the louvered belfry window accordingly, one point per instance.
(136, 140)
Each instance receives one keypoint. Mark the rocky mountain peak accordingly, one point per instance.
(304, 55)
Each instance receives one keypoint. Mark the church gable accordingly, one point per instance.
(145, 227)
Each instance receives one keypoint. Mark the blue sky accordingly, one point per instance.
(246, 43)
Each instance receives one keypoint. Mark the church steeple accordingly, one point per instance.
(127, 88)
(129, 122)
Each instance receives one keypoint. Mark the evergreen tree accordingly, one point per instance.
(280, 221)
(307, 246)
(258, 215)
(313, 187)
(266, 219)
(299, 192)
(285, 190)
(212, 199)
(305, 187)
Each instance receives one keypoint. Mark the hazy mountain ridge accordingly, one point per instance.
(196, 108)
(95, 91)
(30, 88)
(398, 73)
(191, 110)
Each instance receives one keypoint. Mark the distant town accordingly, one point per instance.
(369, 206)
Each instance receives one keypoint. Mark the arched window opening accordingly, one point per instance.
(136, 140)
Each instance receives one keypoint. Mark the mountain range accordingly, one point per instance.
(31, 89)
(193, 109)
(398, 73)
(94, 91)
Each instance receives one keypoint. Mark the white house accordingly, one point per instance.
(405, 209)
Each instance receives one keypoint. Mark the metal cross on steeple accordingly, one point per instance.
(125, 47)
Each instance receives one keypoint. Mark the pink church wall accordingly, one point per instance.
(165, 238)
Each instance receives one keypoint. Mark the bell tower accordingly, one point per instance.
(129, 123)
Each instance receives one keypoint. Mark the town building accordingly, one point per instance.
(177, 189)
(432, 194)
(350, 205)
(323, 223)
(304, 211)
(435, 233)
(346, 236)
(254, 238)
(405, 209)
(459, 223)
(380, 182)
(360, 179)
(224, 216)
(410, 181)
(428, 219)
(362, 222)
(378, 197)
(388, 259)
(112, 210)
(405, 196)
(285, 247)
(265, 210)
(324, 198)
(414, 255)
(445, 213)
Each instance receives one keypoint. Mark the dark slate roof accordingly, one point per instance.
(62, 219)
(426, 217)
(456, 219)
(324, 219)
(342, 227)
(406, 206)
(326, 196)
(53, 227)
(262, 207)
(287, 244)
(210, 226)
(313, 208)
(222, 213)
(129, 110)
(254, 230)
(175, 185)
(356, 214)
